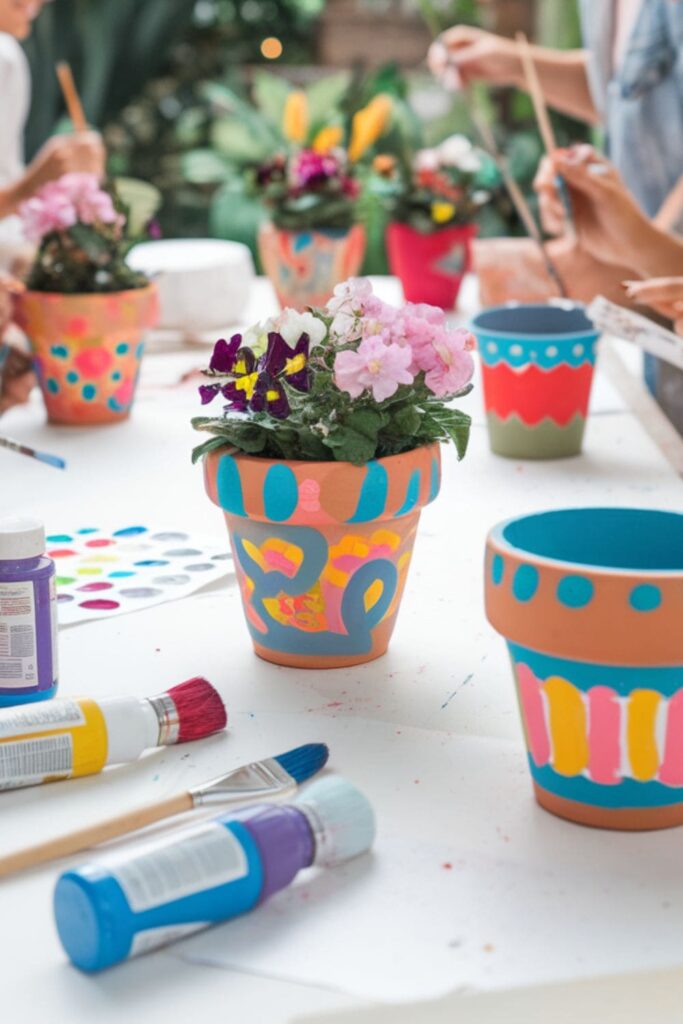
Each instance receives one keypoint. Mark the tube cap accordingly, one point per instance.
(21, 538)
(341, 818)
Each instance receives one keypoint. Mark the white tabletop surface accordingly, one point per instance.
(511, 896)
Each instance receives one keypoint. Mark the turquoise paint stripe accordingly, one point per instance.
(627, 793)
(280, 493)
(229, 486)
(412, 493)
(583, 675)
(434, 480)
(372, 500)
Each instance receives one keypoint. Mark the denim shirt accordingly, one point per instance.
(641, 104)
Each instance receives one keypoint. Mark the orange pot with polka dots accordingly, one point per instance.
(87, 350)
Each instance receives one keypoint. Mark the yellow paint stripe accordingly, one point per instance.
(640, 734)
(567, 726)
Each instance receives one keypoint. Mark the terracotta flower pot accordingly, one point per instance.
(537, 369)
(306, 266)
(322, 549)
(87, 350)
(430, 266)
(590, 602)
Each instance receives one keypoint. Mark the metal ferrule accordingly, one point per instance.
(168, 718)
(257, 781)
(324, 847)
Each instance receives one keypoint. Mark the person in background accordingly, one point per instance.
(628, 78)
(59, 155)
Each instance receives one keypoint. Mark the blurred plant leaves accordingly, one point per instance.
(270, 95)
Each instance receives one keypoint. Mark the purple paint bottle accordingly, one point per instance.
(28, 614)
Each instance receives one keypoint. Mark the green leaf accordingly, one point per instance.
(270, 95)
(326, 96)
(203, 167)
(236, 140)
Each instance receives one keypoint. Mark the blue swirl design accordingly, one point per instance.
(358, 622)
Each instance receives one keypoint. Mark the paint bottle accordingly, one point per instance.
(70, 738)
(28, 614)
(161, 889)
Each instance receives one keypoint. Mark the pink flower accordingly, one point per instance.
(58, 205)
(448, 363)
(374, 365)
(352, 301)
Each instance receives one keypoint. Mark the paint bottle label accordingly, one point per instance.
(153, 938)
(40, 718)
(172, 867)
(29, 762)
(18, 653)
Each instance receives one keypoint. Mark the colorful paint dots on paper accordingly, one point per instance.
(103, 573)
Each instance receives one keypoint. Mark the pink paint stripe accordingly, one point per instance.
(604, 733)
(671, 771)
(534, 714)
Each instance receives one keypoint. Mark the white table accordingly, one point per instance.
(515, 893)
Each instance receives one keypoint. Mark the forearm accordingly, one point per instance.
(658, 254)
(563, 78)
(9, 201)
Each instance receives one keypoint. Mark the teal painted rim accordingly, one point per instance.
(476, 324)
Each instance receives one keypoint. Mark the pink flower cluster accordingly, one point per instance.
(58, 205)
(395, 345)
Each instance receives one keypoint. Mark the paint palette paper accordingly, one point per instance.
(102, 573)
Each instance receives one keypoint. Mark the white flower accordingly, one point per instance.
(470, 162)
(454, 150)
(292, 324)
(427, 160)
(350, 296)
(256, 337)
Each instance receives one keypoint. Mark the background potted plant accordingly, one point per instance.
(84, 309)
(322, 459)
(433, 201)
(312, 240)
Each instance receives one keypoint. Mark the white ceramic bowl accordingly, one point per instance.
(203, 282)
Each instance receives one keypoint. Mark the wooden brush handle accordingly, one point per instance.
(84, 838)
(71, 97)
(536, 92)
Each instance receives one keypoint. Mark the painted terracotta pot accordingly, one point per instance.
(87, 350)
(322, 549)
(305, 266)
(537, 369)
(590, 602)
(431, 266)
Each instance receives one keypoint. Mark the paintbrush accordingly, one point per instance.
(33, 453)
(273, 779)
(71, 97)
(543, 120)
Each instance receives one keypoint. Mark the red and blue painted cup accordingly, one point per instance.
(537, 370)
(590, 601)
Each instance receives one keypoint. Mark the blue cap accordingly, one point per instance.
(91, 913)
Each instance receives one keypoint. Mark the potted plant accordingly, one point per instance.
(84, 309)
(312, 241)
(325, 451)
(433, 202)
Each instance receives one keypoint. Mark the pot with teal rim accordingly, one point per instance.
(537, 370)
(590, 602)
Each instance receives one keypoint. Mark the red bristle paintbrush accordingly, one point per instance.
(64, 738)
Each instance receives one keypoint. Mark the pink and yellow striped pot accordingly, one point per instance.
(305, 266)
(590, 602)
(87, 350)
(322, 549)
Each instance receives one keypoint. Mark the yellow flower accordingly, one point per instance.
(442, 212)
(328, 138)
(369, 124)
(295, 117)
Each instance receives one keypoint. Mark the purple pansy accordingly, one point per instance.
(269, 396)
(292, 363)
(224, 353)
(207, 392)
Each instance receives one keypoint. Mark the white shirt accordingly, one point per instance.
(15, 99)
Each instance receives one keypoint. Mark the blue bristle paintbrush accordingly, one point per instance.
(272, 779)
(33, 453)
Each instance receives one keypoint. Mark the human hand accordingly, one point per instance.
(63, 154)
(550, 205)
(16, 369)
(463, 54)
(664, 294)
(609, 224)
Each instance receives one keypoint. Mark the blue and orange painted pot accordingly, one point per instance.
(590, 601)
(87, 350)
(305, 267)
(322, 549)
(537, 369)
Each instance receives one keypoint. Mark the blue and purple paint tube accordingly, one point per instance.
(28, 614)
(156, 891)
